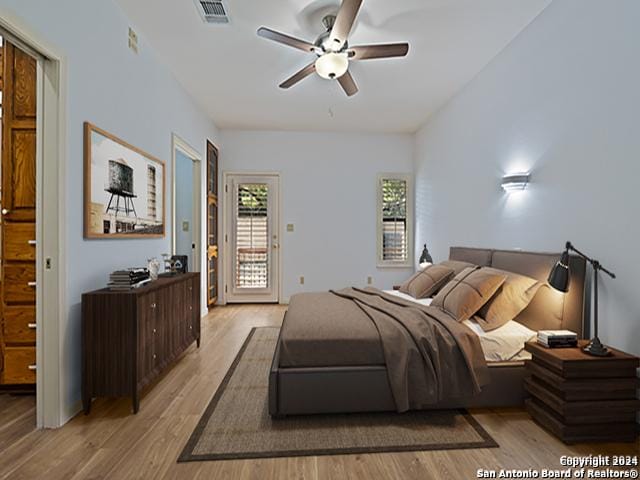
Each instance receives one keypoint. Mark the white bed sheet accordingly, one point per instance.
(504, 344)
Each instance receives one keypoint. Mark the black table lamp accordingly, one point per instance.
(559, 279)
(425, 257)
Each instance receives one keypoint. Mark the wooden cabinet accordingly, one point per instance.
(129, 338)
(212, 224)
(18, 282)
(582, 398)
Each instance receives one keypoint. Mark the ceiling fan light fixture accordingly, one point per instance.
(332, 65)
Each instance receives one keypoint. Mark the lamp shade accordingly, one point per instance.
(425, 257)
(332, 65)
(559, 276)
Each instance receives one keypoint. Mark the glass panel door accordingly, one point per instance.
(254, 239)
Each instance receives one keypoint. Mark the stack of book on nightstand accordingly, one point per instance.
(123, 280)
(557, 338)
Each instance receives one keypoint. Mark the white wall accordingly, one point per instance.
(562, 100)
(133, 96)
(328, 191)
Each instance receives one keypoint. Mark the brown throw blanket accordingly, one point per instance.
(430, 358)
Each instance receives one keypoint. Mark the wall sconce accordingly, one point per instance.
(515, 182)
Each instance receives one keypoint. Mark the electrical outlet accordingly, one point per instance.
(369, 280)
(301, 280)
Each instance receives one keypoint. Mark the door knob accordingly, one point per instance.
(5, 211)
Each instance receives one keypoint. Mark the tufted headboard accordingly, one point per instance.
(549, 309)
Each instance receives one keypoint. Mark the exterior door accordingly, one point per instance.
(253, 238)
(19, 109)
(212, 224)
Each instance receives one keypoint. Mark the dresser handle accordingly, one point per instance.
(154, 356)
(153, 305)
(33, 326)
(32, 243)
(31, 367)
(31, 284)
(154, 330)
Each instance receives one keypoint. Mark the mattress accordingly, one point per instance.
(313, 341)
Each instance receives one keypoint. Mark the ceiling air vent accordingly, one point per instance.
(212, 11)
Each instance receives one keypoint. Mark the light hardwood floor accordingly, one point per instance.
(112, 443)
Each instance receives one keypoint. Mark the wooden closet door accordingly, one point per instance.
(212, 224)
(19, 111)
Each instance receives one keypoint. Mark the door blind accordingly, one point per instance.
(252, 236)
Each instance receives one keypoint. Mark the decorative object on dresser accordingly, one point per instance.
(129, 338)
(559, 279)
(583, 398)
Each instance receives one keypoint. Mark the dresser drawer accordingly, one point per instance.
(18, 286)
(19, 241)
(20, 324)
(19, 365)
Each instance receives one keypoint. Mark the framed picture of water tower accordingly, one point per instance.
(123, 188)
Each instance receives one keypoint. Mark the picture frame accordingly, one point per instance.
(124, 189)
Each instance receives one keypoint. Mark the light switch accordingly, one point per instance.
(369, 280)
(289, 227)
(301, 280)
(185, 226)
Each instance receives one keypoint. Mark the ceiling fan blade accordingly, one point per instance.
(389, 50)
(344, 22)
(296, 77)
(286, 39)
(348, 84)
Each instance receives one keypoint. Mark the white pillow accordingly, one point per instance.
(505, 343)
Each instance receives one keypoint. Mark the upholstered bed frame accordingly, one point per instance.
(296, 391)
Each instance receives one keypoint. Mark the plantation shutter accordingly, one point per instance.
(394, 220)
(252, 236)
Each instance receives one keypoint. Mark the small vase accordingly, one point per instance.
(154, 268)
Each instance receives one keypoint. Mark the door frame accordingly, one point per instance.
(226, 230)
(178, 144)
(51, 221)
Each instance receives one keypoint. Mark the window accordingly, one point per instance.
(395, 220)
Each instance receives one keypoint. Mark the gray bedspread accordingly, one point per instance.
(430, 358)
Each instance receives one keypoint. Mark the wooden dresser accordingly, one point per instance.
(129, 338)
(582, 398)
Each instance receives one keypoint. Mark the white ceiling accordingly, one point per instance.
(234, 74)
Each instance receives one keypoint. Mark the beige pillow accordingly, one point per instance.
(511, 298)
(456, 265)
(427, 282)
(468, 292)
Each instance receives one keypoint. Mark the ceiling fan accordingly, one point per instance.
(332, 49)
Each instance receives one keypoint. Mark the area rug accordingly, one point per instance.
(237, 425)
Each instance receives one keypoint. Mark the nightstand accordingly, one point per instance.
(581, 398)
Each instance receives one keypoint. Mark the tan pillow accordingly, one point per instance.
(468, 292)
(456, 265)
(511, 298)
(427, 282)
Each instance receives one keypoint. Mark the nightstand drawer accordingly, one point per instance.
(584, 412)
(581, 389)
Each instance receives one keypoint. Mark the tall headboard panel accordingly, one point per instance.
(549, 309)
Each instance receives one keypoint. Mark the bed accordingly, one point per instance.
(327, 367)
